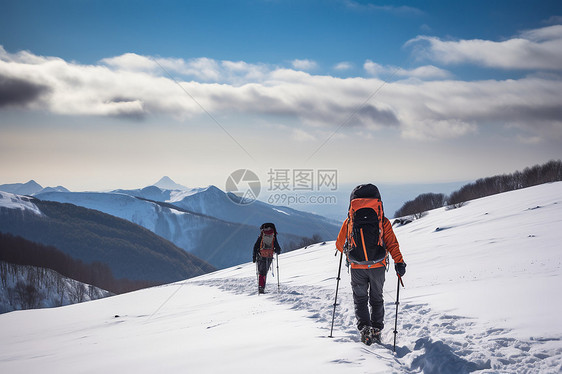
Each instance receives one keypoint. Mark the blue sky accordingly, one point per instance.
(107, 94)
(260, 31)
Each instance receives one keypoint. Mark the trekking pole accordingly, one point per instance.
(277, 259)
(397, 302)
(336, 299)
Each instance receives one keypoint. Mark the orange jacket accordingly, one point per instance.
(389, 240)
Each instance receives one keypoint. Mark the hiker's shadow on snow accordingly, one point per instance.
(440, 358)
(399, 351)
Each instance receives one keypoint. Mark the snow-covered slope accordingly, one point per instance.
(25, 287)
(204, 222)
(482, 294)
(91, 236)
(12, 201)
(213, 202)
(119, 205)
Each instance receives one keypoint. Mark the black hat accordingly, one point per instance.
(365, 191)
(268, 225)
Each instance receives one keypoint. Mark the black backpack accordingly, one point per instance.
(365, 244)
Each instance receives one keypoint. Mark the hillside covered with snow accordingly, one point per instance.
(482, 294)
(91, 236)
(204, 222)
(29, 287)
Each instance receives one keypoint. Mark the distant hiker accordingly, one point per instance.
(264, 248)
(366, 238)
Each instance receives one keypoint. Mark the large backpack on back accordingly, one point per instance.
(365, 245)
(267, 244)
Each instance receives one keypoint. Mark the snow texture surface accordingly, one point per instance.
(23, 203)
(482, 294)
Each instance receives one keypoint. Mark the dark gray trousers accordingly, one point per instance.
(367, 286)
(264, 263)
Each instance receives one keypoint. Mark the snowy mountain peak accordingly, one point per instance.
(53, 189)
(166, 183)
(214, 190)
(28, 188)
(32, 184)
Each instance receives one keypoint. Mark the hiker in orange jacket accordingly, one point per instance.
(367, 277)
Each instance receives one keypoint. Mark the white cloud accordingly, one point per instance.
(344, 65)
(532, 49)
(421, 72)
(375, 69)
(202, 69)
(438, 129)
(305, 65)
(545, 34)
(240, 72)
(129, 85)
(131, 62)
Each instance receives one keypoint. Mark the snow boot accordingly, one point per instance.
(261, 290)
(376, 335)
(367, 335)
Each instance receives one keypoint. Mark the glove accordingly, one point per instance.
(400, 268)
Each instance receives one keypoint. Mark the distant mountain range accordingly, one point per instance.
(29, 188)
(131, 251)
(205, 222)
